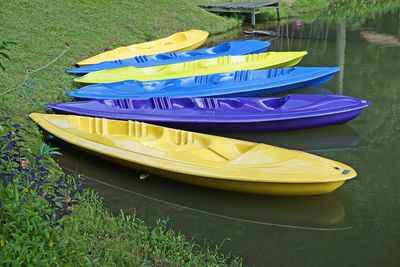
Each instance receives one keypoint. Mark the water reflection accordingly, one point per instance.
(380, 39)
(123, 189)
(367, 51)
(331, 138)
(263, 230)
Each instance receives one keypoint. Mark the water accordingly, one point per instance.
(359, 224)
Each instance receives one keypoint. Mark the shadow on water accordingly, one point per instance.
(122, 189)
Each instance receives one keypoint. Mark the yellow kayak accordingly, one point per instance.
(200, 159)
(180, 41)
(267, 60)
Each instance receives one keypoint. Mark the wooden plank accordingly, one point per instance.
(252, 8)
(235, 10)
(243, 5)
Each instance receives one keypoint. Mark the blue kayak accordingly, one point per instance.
(239, 83)
(289, 112)
(225, 49)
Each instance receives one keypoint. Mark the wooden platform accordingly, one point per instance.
(244, 7)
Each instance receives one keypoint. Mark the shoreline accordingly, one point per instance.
(42, 35)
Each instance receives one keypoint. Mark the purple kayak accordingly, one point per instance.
(290, 112)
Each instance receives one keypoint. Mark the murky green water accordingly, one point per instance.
(358, 225)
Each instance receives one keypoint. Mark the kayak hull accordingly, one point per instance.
(193, 46)
(273, 189)
(228, 48)
(270, 126)
(292, 112)
(181, 41)
(243, 171)
(269, 60)
(257, 92)
(232, 84)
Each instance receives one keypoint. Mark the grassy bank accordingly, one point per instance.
(46, 218)
(295, 8)
(43, 29)
(344, 9)
(359, 9)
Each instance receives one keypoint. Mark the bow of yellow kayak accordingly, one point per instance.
(180, 41)
(200, 159)
(193, 68)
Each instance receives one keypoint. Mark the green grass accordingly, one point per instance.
(361, 9)
(127, 241)
(47, 219)
(294, 9)
(42, 31)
